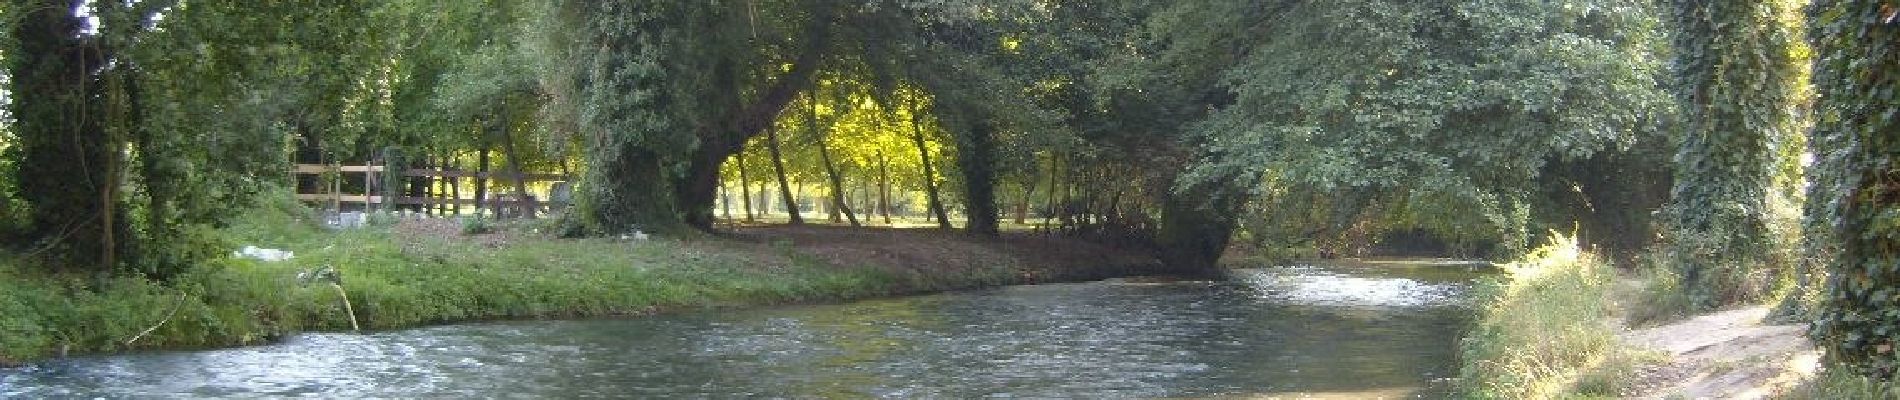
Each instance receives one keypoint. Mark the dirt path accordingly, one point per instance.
(1723, 355)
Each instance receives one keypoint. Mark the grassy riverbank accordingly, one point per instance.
(416, 272)
(1546, 329)
(1561, 323)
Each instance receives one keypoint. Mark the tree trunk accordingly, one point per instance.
(1855, 76)
(745, 187)
(831, 169)
(720, 141)
(725, 200)
(523, 206)
(930, 175)
(481, 178)
(1022, 204)
(883, 187)
(976, 159)
(428, 185)
(1048, 218)
(455, 186)
(1736, 96)
(784, 185)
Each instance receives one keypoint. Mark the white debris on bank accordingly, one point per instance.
(636, 235)
(263, 254)
(346, 220)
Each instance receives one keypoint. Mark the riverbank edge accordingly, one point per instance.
(394, 279)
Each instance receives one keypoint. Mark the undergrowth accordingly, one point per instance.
(1840, 383)
(1546, 329)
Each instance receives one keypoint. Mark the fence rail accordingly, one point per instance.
(369, 196)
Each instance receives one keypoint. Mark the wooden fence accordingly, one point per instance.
(372, 196)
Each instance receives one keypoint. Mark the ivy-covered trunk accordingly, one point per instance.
(1858, 78)
(625, 190)
(976, 159)
(1737, 86)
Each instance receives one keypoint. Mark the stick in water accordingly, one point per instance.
(346, 307)
(161, 322)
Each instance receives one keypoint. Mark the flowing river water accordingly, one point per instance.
(1347, 331)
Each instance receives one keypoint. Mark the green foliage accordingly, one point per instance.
(1461, 104)
(477, 225)
(1859, 323)
(1545, 330)
(187, 112)
(1839, 383)
(1738, 80)
(1664, 296)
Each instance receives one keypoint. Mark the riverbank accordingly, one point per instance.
(1558, 325)
(414, 272)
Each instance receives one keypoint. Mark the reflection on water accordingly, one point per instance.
(1351, 332)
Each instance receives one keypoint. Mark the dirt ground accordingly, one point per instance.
(1723, 355)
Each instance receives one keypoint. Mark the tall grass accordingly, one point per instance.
(1546, 329)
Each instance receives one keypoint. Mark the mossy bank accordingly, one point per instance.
(405, 273)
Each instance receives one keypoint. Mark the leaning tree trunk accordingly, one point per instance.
(831, 169)
(784, 185)
(718, 142)
(931, 194)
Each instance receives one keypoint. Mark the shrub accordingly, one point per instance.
(476, 225)
(1662, 295)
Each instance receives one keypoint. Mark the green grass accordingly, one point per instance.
(1546, 329)
(394, 282)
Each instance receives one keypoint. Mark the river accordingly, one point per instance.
(1348, 331)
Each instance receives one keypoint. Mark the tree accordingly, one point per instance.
(1456, 104)
(1737, 81)
(68, 165)
(142, 124)
(1854, 70)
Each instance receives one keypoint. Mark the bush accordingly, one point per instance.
(1545, 329)
(476, 225)
(1662, 295)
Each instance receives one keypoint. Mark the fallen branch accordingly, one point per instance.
(161, 322)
